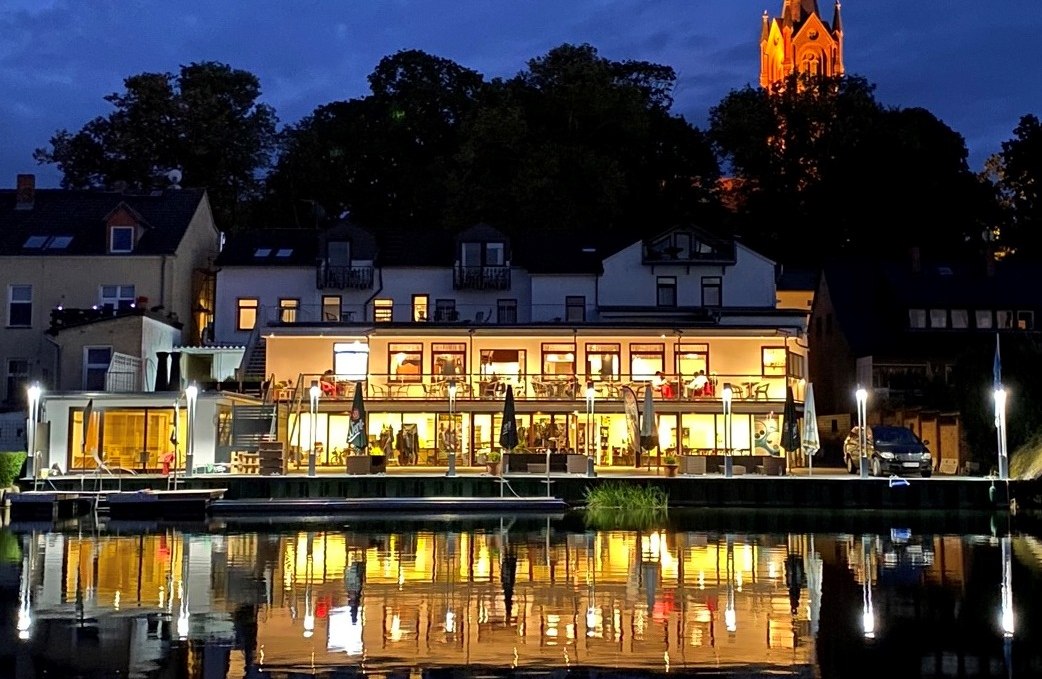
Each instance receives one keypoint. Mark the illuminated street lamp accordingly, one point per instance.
(727, 395)
(1000, 428)
(33, 392)
(191, 394)
(451, 438)
(314, 393)
(591, 395)
(861, 396)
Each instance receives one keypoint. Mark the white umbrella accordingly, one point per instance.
(647, 423)
(810, 440)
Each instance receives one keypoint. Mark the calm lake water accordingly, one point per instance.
(506, 596)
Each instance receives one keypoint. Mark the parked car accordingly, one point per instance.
(890, 450)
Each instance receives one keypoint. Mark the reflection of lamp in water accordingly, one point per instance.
(868, 619)
(1006, 616)
(730, 615)
(25, 618)
(591, 396)
(33, 394)
(309, 598)
(182, 615)
(861, 397)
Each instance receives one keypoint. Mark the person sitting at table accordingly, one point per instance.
(697, 385)
(328, 383)
(662, 385)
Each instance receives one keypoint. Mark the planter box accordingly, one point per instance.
(366, 464)
(576, 464)
(693, 464)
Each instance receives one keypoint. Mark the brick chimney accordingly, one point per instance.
(25, 192)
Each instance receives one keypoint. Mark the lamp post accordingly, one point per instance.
(33, 392)
(191, 394)
(727, 395)
(861, 396)
(1000, 428)
(313, 392)
(591, 395)
(451, 438)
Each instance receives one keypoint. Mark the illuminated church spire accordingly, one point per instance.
(800, 40)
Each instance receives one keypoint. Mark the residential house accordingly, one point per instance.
(897, 328)
(132, 273)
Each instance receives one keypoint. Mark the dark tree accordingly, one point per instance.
(205, 120)
(820, 161)
(1017, 171)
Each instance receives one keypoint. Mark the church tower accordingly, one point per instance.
(800, 41)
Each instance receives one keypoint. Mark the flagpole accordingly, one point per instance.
(1000, 413)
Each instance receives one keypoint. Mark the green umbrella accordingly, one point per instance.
(356, 431)
(508, 431)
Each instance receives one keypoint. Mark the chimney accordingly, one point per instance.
(25, 192)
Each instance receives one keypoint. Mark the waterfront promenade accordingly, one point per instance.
(826, 489)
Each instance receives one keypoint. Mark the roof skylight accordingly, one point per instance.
(35, 242)
(284, 252)
(262, 252)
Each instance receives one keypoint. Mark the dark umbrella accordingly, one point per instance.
(790, 440)
(175, 371)
(356, 431)
(162, 376)
(508, 432)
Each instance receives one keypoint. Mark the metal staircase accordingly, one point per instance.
(251, 425)
(254, 362)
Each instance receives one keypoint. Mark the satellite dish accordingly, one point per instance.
(174, 176)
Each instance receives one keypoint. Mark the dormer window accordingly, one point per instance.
(338, 252)
(121, 239)
(483, 254)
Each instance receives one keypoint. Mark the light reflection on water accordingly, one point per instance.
(530, 595)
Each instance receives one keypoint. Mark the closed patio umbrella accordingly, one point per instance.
(508, 431)
(629, 407)
(790, 440)
(356, 430)
(811, 440)
(162, 382)
(647, 424)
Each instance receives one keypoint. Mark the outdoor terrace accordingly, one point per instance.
(475, 387)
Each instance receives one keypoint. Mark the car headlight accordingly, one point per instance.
(886, 456)
(926, 455)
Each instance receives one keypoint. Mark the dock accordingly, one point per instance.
(163, 504)
(414, 505)
(48, 505)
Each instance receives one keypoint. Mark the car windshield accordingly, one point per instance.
(898, 435)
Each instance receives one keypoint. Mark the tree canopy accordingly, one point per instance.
(205, 120)
(1017, 173)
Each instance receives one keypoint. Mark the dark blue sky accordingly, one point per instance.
(973, 64)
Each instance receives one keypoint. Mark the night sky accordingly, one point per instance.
(974, 64)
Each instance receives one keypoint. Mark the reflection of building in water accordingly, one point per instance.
(617, 599)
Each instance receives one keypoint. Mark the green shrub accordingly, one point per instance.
(10, 465)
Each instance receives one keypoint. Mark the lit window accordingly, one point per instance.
(247, 313)
(960, 318)
(984, 319)
(917, 318)
(122, 239)
(1025, 320)
(774, 361)
(405, 362)
(288, 310)
(332, 305)
(1004, 319)
(938, 318)
(419, 307)
(383, 310)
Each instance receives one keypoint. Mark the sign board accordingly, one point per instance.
(949, 466)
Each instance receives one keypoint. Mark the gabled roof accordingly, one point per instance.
(78, 219)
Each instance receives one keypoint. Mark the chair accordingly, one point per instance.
(761, 389)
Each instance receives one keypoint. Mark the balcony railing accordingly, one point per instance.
(464, 314)
(429, 387)
(481, 277)
(343, 277)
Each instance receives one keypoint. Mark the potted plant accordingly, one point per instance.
(670, 462)
(493, 459)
